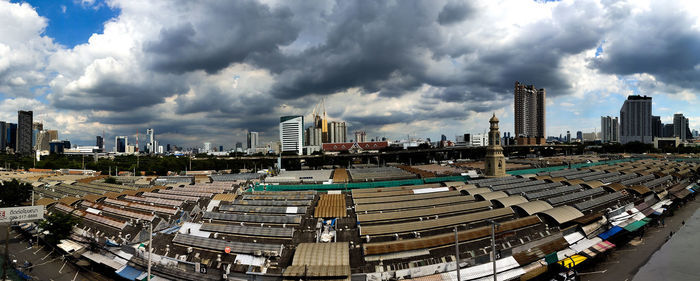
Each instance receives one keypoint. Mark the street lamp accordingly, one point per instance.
(494, 225)
(150, 245)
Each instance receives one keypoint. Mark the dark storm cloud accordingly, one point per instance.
(220, 33)
(119, 95)
(660, 41)
(375, 46)
(454, 12)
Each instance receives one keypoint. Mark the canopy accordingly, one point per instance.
(614, 230)
(129, 273)
(572, 261)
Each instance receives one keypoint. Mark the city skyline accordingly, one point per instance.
(443, 73)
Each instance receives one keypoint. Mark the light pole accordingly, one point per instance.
(150, 242)
(493, 246)
(459, 278)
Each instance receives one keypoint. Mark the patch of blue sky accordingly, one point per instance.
(71, 22)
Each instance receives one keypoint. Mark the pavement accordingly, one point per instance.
(625, 260)
(47, 265)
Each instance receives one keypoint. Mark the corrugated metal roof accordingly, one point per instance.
(322, 254)
(432, 224)
(532, 207)
(488, 196)
(510, 200)
(331, 206)
(562, 214)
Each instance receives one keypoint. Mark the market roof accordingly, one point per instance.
(320, 260)
(509, 201)
(562, 214)
(533, 207)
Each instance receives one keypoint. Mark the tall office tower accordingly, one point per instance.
(680, 126)
(292, 134)
(657, 128)
(252, 140)
(314, 136)
(207, 147)
(120, 144)
(24, 132)
(667, 131)
(530, 114)
(635, 120)
(3, 135)
(12, 136)
(495, 160)
(338, 132)
(151, 146)
(360, 136)
(100, 143)
(43, 141)
(615, 130)
(609, 129)
(53, 135)
(36, 128)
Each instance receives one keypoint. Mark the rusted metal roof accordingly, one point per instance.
(320, 260)
(433, 224)
(229, 197)
(331, 206)
(387, 216)
(445, 239)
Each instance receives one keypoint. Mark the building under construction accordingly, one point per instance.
(322, 131)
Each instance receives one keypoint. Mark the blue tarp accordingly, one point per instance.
(614, 230)
(129, 273)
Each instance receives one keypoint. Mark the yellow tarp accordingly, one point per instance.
(567, 262)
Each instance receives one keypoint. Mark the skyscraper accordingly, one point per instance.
(100, 143)
(43, 141)
(680, 126)
(252, 140)
(292, 134)
(609, 129)
(36, 128)
(24, 132)
(635, 120)
(152, 145)
(338, 132)
(53, 134)
(120, 144)
(11, 136)
(657, 128)
(3, 135)
(530, 114)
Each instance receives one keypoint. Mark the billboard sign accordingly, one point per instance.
(21, 214)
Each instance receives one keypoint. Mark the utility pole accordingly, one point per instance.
(150, 248)
(493, 247)
(459, 277)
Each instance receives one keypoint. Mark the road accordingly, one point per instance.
(47, 265)
(624, 262)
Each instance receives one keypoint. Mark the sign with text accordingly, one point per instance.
(20, 214)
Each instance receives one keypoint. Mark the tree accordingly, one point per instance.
(59, 226)
(13, 193)
(111, 180)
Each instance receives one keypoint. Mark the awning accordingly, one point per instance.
(598, 249)
(129, 273)
(632, 227)
(614, 230)
(572, 261)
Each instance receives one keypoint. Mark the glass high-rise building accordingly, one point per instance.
(24, 132)
(635, 120)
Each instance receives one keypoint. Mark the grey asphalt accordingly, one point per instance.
(624, 262)
(47, 265)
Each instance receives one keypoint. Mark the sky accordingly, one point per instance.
(209, 71)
